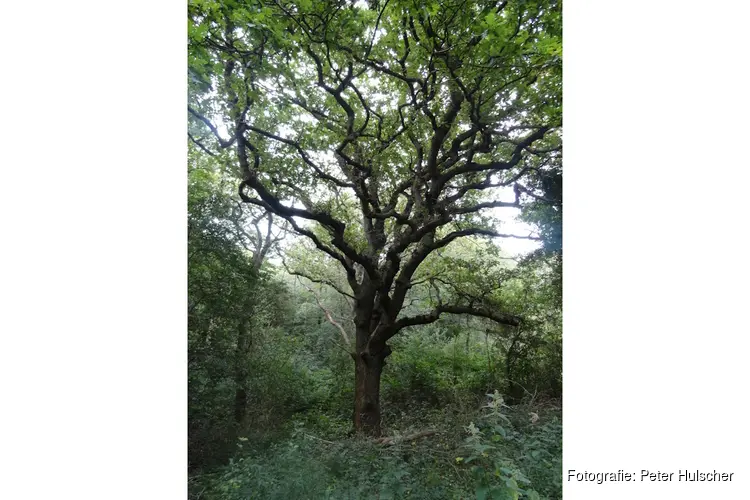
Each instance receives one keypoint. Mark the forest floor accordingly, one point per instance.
(459, 450)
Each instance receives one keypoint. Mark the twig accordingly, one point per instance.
(327, 314)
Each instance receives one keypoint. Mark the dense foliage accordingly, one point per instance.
(349, 163)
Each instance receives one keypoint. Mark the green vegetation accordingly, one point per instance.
(356, 328)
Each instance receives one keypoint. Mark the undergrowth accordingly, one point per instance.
(501, 453)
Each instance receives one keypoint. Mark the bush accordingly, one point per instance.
(504, 456)
(511, 462)
(422, 369)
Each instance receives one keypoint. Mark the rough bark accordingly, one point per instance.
(368, 369)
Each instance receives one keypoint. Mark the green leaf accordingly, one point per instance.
(482, 492)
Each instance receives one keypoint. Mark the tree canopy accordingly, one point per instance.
(354, 168)
(383, 132)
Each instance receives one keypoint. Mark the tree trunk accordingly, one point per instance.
(368, 368)
(240, 405)
(514, 391)
(240, 372)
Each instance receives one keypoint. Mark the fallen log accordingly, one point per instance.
(390, 440)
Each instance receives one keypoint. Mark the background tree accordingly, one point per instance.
(382, 135)
(229, 300)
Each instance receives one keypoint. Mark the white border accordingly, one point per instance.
(655, 335)
(92, 363)
(93, 358)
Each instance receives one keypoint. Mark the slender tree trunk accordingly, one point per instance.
(240, 376)
(368, 369)
(240, 405)
(514, 390)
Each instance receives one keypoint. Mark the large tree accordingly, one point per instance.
(382, 132)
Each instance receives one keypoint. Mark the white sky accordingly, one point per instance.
(507, 224)
(514, 246)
